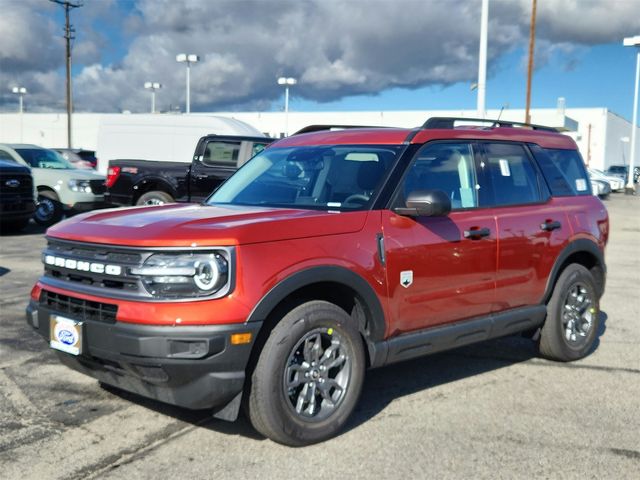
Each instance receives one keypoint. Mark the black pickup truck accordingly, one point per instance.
(150, 182)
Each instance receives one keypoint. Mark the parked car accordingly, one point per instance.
(622, 171)
(17, 200)
(148, 182)
(328, 253)
(616, 183)
(79, 158)
(601, 188)
(61, 187)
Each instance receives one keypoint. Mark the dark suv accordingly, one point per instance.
(17, 202)
(328, 253)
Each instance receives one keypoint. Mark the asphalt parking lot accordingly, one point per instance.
(492, 410)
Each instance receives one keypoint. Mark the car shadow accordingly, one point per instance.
(384, 385)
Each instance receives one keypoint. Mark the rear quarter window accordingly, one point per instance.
(564, 171)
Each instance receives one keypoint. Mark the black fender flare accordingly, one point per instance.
(141, 186)
(576, 246)
(322, 274)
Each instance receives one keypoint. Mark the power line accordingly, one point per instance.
(69, 34)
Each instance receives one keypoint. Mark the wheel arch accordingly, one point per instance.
(150, 184)
(583, 252)
(50, 191)
(337, 285)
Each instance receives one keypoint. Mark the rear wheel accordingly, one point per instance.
(308, 377)
(49, 209)
(155, 197)
(572, 320)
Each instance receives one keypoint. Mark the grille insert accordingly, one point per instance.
(77, 308)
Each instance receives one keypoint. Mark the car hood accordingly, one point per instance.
(52, 175)
(202, 225)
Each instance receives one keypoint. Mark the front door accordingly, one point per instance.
(441, 269)
(218, 162)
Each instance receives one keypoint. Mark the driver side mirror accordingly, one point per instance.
(426, 203)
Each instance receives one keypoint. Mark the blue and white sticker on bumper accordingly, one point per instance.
(65, 335)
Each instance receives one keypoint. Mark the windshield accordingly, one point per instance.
(323, 177)
(43, 158)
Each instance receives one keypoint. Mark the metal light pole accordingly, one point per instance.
(482, 59)
(287, 82)
(153, 86)
(633, 42)
(20, 91)
(188, 58)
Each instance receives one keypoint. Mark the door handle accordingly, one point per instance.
(550, 225)
(477, 233)
(202, 176)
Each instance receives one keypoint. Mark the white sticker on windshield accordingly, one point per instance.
(581, 184)
(504, 168)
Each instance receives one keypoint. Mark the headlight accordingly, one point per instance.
(167, 275)
(83, 186)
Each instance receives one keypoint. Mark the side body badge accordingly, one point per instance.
(406, 278)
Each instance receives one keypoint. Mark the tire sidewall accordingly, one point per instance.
(275, 355)
(55, 211)
(162, 197)
(572, 275)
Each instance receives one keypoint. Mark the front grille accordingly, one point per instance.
(16, 207)
(24, 190)
(77, 308)
(98, 186)
(124, 283)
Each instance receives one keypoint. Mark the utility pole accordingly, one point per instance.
(482, 58)
(68, 35)
(532, 42)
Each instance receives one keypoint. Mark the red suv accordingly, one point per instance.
(331, 252)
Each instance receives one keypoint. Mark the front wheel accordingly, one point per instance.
(572, 320)
(309, 375)
(49, 209)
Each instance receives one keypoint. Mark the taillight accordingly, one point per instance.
(112, 175)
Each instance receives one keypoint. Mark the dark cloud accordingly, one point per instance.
(334, 47)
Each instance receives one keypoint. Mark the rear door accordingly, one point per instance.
(441, 269)
(532, 228)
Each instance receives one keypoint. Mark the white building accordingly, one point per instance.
(602, 136)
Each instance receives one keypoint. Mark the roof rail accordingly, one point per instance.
(319, 128)
(448, 123)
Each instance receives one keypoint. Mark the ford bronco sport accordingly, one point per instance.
(328, 253)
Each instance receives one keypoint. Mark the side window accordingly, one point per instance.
(448, 167)
(513, 178)
(5, 156)
(564, 170)
(221, 154)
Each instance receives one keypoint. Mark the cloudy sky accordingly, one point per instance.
(346, 54)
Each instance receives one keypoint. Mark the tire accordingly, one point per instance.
(48, 210)
(155, 197)
(573, 316)
(289, 413)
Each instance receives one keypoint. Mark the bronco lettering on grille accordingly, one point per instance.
(82, 266)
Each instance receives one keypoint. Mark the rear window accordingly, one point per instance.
(564, 171)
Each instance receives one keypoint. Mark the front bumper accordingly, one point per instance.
(194, 367)
(87, 206)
